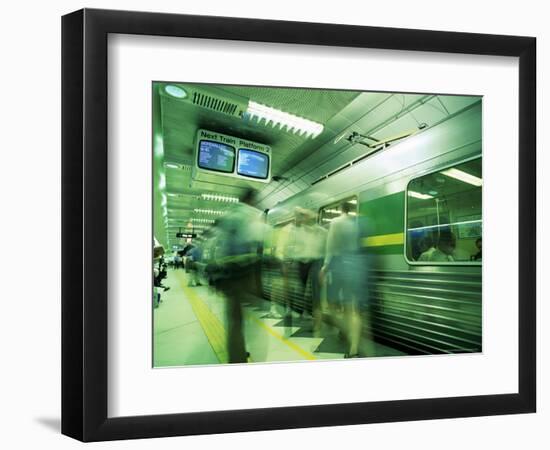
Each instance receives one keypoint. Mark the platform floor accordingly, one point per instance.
(189, 329)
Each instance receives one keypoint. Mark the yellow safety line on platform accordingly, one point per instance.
(212, 326)
(215, 332)
(383, 239)
(291, 344)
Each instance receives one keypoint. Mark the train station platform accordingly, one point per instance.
(190, 329)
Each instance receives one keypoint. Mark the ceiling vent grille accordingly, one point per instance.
(218, 100)
(216, 104)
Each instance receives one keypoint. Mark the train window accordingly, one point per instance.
(328, 213)
(444, 221)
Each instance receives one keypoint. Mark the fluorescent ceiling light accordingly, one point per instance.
(463, 176)
(158, 147)
(201, 220)
(162, 181)
(175, 91)
(189, 226)
(208, 211)
(419, 195)
(220, 198)
(281, 119)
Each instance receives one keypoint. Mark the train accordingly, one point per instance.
(410, 191)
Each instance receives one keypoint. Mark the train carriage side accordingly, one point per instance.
(420, 307)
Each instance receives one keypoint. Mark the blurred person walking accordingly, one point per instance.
(301, 249)
(239, 236)
(347, 269)
(194, 257)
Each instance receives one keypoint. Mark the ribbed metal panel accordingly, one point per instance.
(273, 288)
(427, 312)
(418, 312)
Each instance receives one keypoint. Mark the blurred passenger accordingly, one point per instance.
(187, 261)
(301, 248)
(239, 236)
(194, 257)
(477, 256)
(159, 272)
(346, 267)
(158, 250)
(319, 244)
(208, 258)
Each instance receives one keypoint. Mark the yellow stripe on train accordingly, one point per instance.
(383, 239)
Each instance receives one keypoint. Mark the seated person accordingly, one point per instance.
(445, 247)
(477, 256)
(426, 248)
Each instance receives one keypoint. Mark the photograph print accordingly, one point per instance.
(299, 224)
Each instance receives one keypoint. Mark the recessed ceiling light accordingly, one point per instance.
(463, 176)
(208, 211)
(201, 220)
(220, 198)
(419, 195)
(175, 91)
(283, 120)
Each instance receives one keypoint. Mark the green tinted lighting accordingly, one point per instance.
(175, 91)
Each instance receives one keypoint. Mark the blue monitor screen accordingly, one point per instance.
(216, 156)
(252, 164)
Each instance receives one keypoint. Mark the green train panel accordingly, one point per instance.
(425, 189)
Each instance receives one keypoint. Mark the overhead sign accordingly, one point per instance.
(186, 235)
(218, 154)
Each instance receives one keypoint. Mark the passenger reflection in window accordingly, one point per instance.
(446, 206)
(417, 235)
(446, 245)
(477, 256)
(426, 248)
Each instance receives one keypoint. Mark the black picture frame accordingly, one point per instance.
(84, 224)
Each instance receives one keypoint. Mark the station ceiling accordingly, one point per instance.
(297, 161)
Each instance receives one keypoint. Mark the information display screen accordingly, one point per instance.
(252, 164)
(216, 156)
